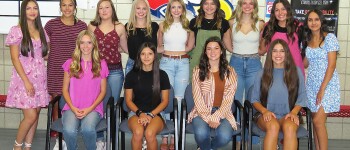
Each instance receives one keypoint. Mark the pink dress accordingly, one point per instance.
(34, 69)
(84, 91)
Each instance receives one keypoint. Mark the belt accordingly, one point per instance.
(246, 55)
(177, 56)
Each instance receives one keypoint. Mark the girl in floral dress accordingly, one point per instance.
(27, 90)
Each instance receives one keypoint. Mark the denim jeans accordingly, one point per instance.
(86, 126)
(223, 134)
(246, 69)
(178, 73)
(129, 65)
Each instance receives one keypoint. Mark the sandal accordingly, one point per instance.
(164, 145)
(27, 145)
(172, 145)
(17, 145)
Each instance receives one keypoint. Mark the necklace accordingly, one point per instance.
(208, 20)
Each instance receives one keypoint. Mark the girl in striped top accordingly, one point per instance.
(214, 84)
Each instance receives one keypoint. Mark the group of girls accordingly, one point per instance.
(84, 65)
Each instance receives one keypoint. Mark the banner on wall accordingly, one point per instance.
(269, 4)
(328, 7)
(158, 7)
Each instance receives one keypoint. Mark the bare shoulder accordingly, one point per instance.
(91, 27)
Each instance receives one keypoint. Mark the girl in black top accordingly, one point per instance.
(146, 94)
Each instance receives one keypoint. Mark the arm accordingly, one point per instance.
(227, 40)
(122, 35)
(160, 46)
(190, 41)
(262, 46)
(305, 62)
(65, 93)
(332, 58)
(198, 98)
(14, 51)
(231, 22)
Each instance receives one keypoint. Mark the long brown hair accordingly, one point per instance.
(75, 67)
(217, 17)
(27, 44)
(97, 21)
(204, 65)
(155, 68)
(291, 23)
(290, 76)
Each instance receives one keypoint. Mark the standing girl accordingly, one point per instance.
(28, 88)
(146, 94)
(62, 45)
(214, 84)
(140, 29)
(282, 25)
(322, 81)
(208, 23)
(175, 39)
(278, 95)
(110, 35)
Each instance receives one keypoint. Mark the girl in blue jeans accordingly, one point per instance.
(214, 84)
(84, 87)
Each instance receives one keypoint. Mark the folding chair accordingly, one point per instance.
(188, 104)
(122, 110)
(254, 130)
(103, 125)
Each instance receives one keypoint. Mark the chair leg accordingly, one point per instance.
(123, 140)
(60, 141)
(234, 142)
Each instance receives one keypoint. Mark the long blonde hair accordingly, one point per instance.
(75, 67)
(170, 20)
(238, 12)
(132, 19)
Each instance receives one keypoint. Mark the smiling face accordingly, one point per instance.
(147, 57)
(247, 6)
(32, 11)
(176, 10)
(209, 8)
(314, 22)
(67, 8)
(86, 46)
(280, 12)
(105, 10)
(141, 10)
(278, 56)
(213, 51)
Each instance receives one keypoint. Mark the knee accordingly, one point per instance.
(224, 138)
(273, 127)
(31, 119)
(88, 130)
(137, 134)
(69, 132)
(289, 129)
(150, 135)
(202, 134)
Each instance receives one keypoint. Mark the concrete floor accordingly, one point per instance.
(7, 137)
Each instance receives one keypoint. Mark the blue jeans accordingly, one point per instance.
(223, 134)
(86, 126)
(178, 73)
(129, 65)
(246, 69)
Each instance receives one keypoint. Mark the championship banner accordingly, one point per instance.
(158, 7)
(269, 4)
(329, 8)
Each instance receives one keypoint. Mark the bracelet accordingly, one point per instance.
(150, 114)
(138, 112)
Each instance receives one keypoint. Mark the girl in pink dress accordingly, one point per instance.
(27, 90)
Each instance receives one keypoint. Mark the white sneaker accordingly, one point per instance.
(56, 147)
(100, 145)
(144, 145)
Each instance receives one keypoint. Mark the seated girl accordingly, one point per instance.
(84, 87)
(214, 84)
(278, 95)
(146, 94)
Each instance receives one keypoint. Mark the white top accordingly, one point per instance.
(175, 38)
(245, 43)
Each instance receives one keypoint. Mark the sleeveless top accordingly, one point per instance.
(108, 46)
(175, 38)
(245, 43)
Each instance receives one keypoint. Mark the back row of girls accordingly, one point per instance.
(174, 37)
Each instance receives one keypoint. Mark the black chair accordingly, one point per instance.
(103, 125)
(254, 130)
(122, 110)
(188, 104)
